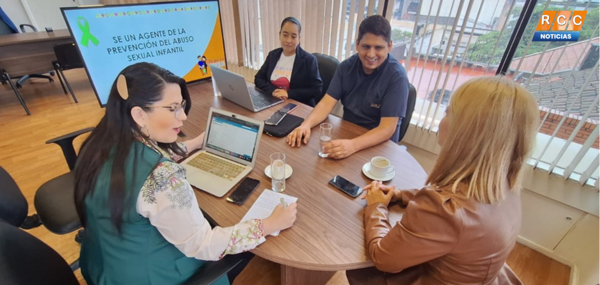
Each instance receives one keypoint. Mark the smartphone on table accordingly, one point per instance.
(346, 186)
(280, 114)
(242, 192)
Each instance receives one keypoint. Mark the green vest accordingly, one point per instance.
(140, 254)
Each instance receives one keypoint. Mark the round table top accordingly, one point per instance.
(328, 234)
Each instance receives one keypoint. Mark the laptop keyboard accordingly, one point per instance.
(217, 166)
(259, 100)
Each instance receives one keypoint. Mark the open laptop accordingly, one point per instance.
(228, 154)
(234, 88)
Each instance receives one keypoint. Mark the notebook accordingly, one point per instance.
(265, 204)
(234, 88)
(228, 154)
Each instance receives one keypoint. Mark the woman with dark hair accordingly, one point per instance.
(289, 71)
(142, 221)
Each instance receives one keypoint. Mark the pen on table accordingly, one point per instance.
(282, 202)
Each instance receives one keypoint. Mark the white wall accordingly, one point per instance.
(15, 11)
(46, 13)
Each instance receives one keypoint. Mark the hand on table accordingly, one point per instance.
(281, 218)
(298, 136)
(338, 149)
(379, 193)
(280, 93)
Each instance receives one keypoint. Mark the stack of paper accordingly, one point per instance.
(265, 204)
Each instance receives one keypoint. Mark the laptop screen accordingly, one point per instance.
(232, 136)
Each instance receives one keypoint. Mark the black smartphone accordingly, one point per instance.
(288, 108)
(346, 186)
(276, 118)
(242, 192)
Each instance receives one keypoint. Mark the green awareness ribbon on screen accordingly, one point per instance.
(86, 36)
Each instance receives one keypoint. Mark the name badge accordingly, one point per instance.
(373, 105)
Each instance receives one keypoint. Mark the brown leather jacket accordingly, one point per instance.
(444, 238)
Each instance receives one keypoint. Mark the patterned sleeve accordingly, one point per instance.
(168, 201)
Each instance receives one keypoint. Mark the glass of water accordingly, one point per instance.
(278, 172)
(324, 138)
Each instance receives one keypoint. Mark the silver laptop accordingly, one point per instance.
(234, 88)
(228, 154)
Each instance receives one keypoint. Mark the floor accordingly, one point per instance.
(31, 162)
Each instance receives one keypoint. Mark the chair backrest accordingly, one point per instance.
(327, 66)
(23, 26)
(410, 107)
(24, 259)
(68, 57)
(13, 205)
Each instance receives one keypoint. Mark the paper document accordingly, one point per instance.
(265, 204)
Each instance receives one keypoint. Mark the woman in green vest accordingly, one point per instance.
(142, 221)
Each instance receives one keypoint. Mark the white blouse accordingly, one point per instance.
(168, 201)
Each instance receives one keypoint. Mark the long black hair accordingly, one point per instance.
(117, 131)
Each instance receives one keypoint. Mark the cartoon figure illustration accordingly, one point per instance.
(202, 64)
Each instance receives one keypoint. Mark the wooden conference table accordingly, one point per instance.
(28, 53)
(328, 234)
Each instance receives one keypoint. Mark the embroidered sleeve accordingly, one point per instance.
(168, 201)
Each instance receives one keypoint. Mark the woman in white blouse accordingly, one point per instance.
(142, 221)
(289, 71)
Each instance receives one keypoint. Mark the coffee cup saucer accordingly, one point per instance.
(288, 171)
(367, 167)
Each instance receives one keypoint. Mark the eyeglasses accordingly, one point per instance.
(176, 109)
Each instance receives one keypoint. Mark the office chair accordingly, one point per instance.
(67, 57)
(13, 205)
(54, 199)
(327, 66)
(410, 107)
(26, 77)
(13, 210)
(24, 259)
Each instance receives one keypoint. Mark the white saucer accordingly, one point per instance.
(366, 168)
(288, 171)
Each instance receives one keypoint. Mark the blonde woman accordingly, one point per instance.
(462, 226)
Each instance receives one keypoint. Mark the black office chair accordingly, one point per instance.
(67, 57)
(327, 66)
(24, 259)
(54, 199)
(13, 205)
(26, 77)
(410, 107)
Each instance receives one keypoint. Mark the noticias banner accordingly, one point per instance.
(559, 26)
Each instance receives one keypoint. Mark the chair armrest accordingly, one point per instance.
(212, 271)
(66, 144)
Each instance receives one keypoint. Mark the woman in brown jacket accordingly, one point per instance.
(462, 226)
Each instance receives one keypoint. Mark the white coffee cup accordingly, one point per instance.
(380, 167)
